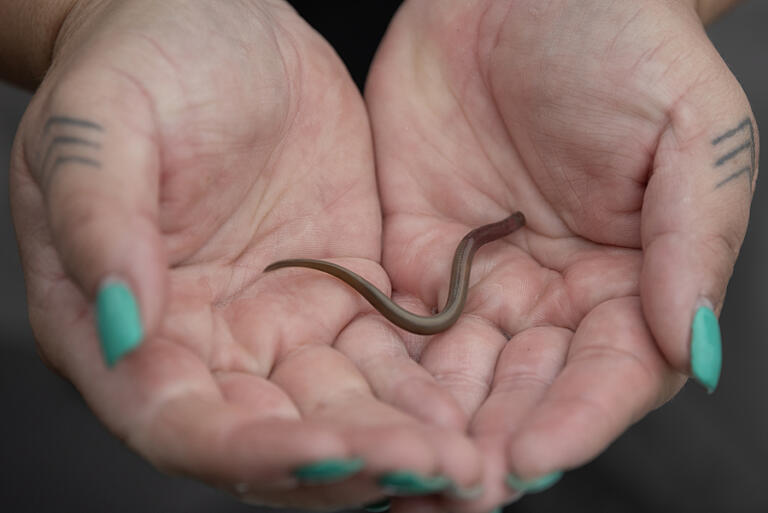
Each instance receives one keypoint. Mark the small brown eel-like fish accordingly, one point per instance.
(457, 294)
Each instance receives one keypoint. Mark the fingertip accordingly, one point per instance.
(329, 470)
(706, 348)
(677, 288)
(130, 297)
(530, 456)
(536, 484)
(536, 463)
(118, 320)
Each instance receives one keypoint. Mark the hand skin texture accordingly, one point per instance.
(230, 136)
(600, 121)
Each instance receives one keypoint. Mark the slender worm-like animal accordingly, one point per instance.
(457, 294)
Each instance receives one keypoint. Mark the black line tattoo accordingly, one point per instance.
(746, 128)
(64, 140)
(74, 158)
(728, 156)
(730, 133)
(66, 120)
(745, 169)
(70, 140)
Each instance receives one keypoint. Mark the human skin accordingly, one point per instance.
(181, 147)
(212, 166)
(458, 287)
(611, 125)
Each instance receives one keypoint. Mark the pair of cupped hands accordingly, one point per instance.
(177, 148)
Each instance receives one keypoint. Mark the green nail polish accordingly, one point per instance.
(533, 485)
(410, 483)
(328, 471)
(379, 506)
(706, 349)
(497, 510)
(118, 320)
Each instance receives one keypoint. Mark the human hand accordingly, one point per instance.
(173, 150)
(620, 133)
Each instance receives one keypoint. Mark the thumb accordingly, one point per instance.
(695, 215)
(96, 162)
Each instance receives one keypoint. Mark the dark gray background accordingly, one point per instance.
(698, 454)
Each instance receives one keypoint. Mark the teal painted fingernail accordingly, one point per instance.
(118, 320)
(379, 506)
(328, 471)
(410, 483)
(533, 485)
(706, 348)
(497, 510)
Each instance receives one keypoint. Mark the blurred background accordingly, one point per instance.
(698, 453)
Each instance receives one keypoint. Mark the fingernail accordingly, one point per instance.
(118, 320)
(533, 485)
(465, 493)
(378, 506)
(706, 348)
(497, 510)
(410, 483)
(328, 471)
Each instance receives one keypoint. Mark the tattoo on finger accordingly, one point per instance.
(68, 141)
(737, 154)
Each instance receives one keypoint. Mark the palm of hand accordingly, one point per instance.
(259, 159)
(499, 112)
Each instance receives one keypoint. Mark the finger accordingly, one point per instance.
(402, 454)
(164, 402)
(93, 158)
(462, 360)
(614, 374)
(224, 443)
(394, 376)
(324, 384)
(226, 428)
(260, 459)
(695, 215)
(526, 368)
(237, 431)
